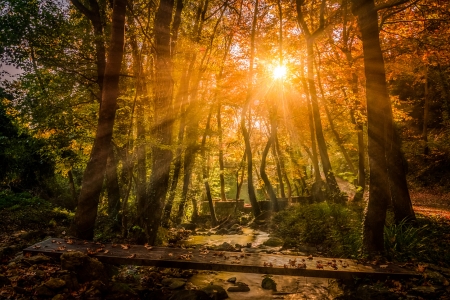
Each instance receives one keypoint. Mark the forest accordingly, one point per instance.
(323, 123)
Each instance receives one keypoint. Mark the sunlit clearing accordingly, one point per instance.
(279, 72)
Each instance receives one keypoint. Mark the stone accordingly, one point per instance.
(122, 289)
(274, 242)
(55, 283)
(37, 259)
(236, 227)
(239, 287)
(269, 284)
(20, 290)
(87, 268)
(232, 279)
(189, 226)
(71, 281)
(44, 291)
(215, 292)
(427, 292)
(174, 283)
(222, 231)
(225, 247)
(4, 281)
(190, 295)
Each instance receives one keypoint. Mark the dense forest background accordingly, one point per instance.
(142, 110)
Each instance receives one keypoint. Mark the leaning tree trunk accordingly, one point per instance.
(84, 221)
(150, 217)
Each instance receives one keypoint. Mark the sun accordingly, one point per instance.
(279, 72)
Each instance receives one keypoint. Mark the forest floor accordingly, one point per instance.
(43, 278)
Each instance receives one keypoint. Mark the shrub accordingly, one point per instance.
(336, 228)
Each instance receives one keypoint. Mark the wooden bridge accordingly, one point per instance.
(203, 259)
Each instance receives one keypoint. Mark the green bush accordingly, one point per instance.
(14, 201)
(336, 228)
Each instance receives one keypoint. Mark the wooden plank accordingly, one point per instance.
(199, 259)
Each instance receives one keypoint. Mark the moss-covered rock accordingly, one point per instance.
(86, 268)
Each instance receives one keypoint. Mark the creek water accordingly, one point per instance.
(292, 287)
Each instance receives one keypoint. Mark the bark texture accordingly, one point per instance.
(84, 220)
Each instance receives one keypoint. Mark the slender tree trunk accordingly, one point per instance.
(72, 187)
(313, 156)
(84, 221)
(221, 164)
(150, 217)
(326, 164)
(279, 170)
(112, 183)
(205, 171)
(141, 98)
(426, 149)
(245, 130)
(265, 178)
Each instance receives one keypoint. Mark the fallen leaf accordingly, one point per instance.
(383, 266)
(132, 256)
(106, 251)
(125, 247)
(63, 232)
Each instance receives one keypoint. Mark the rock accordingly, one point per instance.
(174, 283)
(189, 226)
(236, 227)
(59, 297)
(44, 291)
(71, 281)
(374, 292)
(37, 259)
(274, 242)
(55, 283)
(427, 292)
(232, 279)
(215, 292)
(87, 268)
(269, 284)
(239, 287)
(225, 247)
(319, 191)
(222, 231)
(20, 290)
(435, 277)
(190, 295)
(122, 289)
(4, 281)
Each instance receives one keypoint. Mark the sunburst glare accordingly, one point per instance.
(279, 72)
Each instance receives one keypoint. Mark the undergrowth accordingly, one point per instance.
(334, 227)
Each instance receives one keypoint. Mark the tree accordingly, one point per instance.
(84, 220)
(382, 144)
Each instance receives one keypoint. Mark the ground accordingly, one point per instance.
(41, 278)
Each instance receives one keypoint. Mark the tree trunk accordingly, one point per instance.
(264, 177)
(84, 220)
(426, 149)
(73, 190)
(112, 185)
(221, 164)
(313, 156)
(150, 217)
(326, 164)
(378, 107)
(245, 132)
(141, 98)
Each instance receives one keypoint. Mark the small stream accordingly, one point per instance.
(254, 237)
(294, 287)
